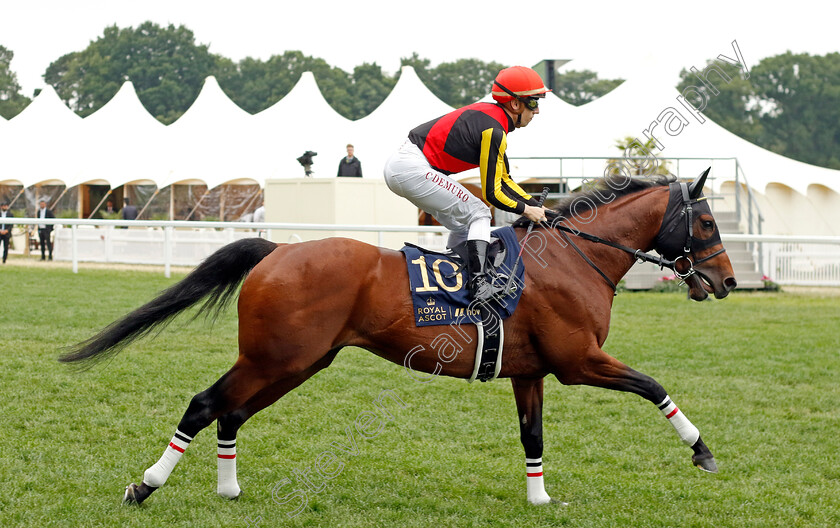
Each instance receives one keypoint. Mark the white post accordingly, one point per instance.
(74, 248)
(167, 251)
(109, 244)
(381, 239)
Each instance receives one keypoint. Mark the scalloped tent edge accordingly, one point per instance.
(216, 142)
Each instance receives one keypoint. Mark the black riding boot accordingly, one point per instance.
(479, 284)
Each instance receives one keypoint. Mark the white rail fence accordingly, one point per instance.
(787, 260)
(181, 243)
(796, 260)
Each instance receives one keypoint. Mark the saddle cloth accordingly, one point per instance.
(438, 282)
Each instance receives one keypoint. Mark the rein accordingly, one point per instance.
(640, 255)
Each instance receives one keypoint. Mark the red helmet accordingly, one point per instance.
(518, 81)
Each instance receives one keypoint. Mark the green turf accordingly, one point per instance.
(756, 373)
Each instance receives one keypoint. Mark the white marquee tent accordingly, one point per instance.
(215, 142)
(118, 140)
(40, 143)
(303, 120)
(381, 133)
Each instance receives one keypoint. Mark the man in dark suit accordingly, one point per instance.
(129, 212)
(5, 229)
(44, 230)
(350, 165)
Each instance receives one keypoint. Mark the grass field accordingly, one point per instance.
(757, 373)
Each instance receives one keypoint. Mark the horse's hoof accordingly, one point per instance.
(135, 494)
(545, 499)
(233, 498)
(130, 496)
(706, 463)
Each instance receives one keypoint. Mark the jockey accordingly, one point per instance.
(472, 136)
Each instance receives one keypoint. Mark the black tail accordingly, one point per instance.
(217, 279)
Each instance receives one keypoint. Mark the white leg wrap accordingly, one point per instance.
(688, 433)
(156, 475)
(534, 481)
(227, 487)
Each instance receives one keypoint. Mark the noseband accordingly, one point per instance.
(678, 214)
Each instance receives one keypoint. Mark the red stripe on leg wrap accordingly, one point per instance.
(535, 474)
(672, 413)
(175, 447)
(227, 456)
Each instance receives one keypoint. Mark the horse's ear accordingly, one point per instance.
(696, 187)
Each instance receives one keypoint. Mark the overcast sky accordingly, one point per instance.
(616, 39)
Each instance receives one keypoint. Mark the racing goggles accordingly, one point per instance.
(531, 103)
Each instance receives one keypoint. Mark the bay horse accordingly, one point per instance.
(300, 304)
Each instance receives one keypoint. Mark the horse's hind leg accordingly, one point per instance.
(228, 424)
(230, 392)
(599, 369)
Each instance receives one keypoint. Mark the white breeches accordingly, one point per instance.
(408, 174)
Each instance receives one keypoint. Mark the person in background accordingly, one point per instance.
(5, 229)
(109, 208)
(44, 230)
(470, 137)
(129, 212)
(259, 214)
(350, 165)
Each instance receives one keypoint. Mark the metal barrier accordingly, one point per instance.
(794, 260)
(163, 236)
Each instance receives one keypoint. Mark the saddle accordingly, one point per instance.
(437, 281)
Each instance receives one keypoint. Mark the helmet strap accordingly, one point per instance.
(509, 92)
(519, 99)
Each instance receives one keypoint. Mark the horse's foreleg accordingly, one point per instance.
(529, 399)
(602, 370)
(229, 392)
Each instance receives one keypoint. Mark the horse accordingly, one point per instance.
(297, 309)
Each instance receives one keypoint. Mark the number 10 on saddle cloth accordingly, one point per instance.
(438, 283)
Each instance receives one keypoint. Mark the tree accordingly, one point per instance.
(369, 88)
(165, 65)
(421, 66)
(734, 107)
(790, 104)
(458, 83)
(799, 97)
(11, 100)
(255, 85)
(581, 87)
(639, 159)
(465, 81)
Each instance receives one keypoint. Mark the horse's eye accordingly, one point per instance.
(708, 224)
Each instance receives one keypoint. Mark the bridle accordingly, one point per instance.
(679, 212)
(680, 191)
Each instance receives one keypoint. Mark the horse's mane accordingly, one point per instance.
(582, 201)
